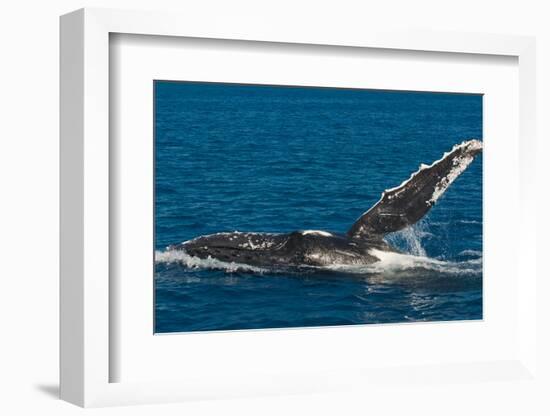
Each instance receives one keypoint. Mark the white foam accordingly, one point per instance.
(388, 264)
(390, 259)
(181, 257)
(475, 253)
(392, 263)
(469, 222)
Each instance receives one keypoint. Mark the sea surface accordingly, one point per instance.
(277, 159)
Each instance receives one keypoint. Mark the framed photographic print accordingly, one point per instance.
(277, 163)
(270, 212)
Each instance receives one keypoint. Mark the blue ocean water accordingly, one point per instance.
(277, 159)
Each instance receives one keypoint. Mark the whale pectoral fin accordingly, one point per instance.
(409, 202)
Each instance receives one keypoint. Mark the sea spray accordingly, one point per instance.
(409, 239)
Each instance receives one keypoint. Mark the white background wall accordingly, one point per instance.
(29, 205)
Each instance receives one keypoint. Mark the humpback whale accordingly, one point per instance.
(397, 208)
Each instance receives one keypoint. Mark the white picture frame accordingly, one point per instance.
(86, 356)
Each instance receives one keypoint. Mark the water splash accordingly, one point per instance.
(409, 239)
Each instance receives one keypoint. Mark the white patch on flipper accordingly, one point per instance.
(316, 232)
(473, 145)
(459, 166)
